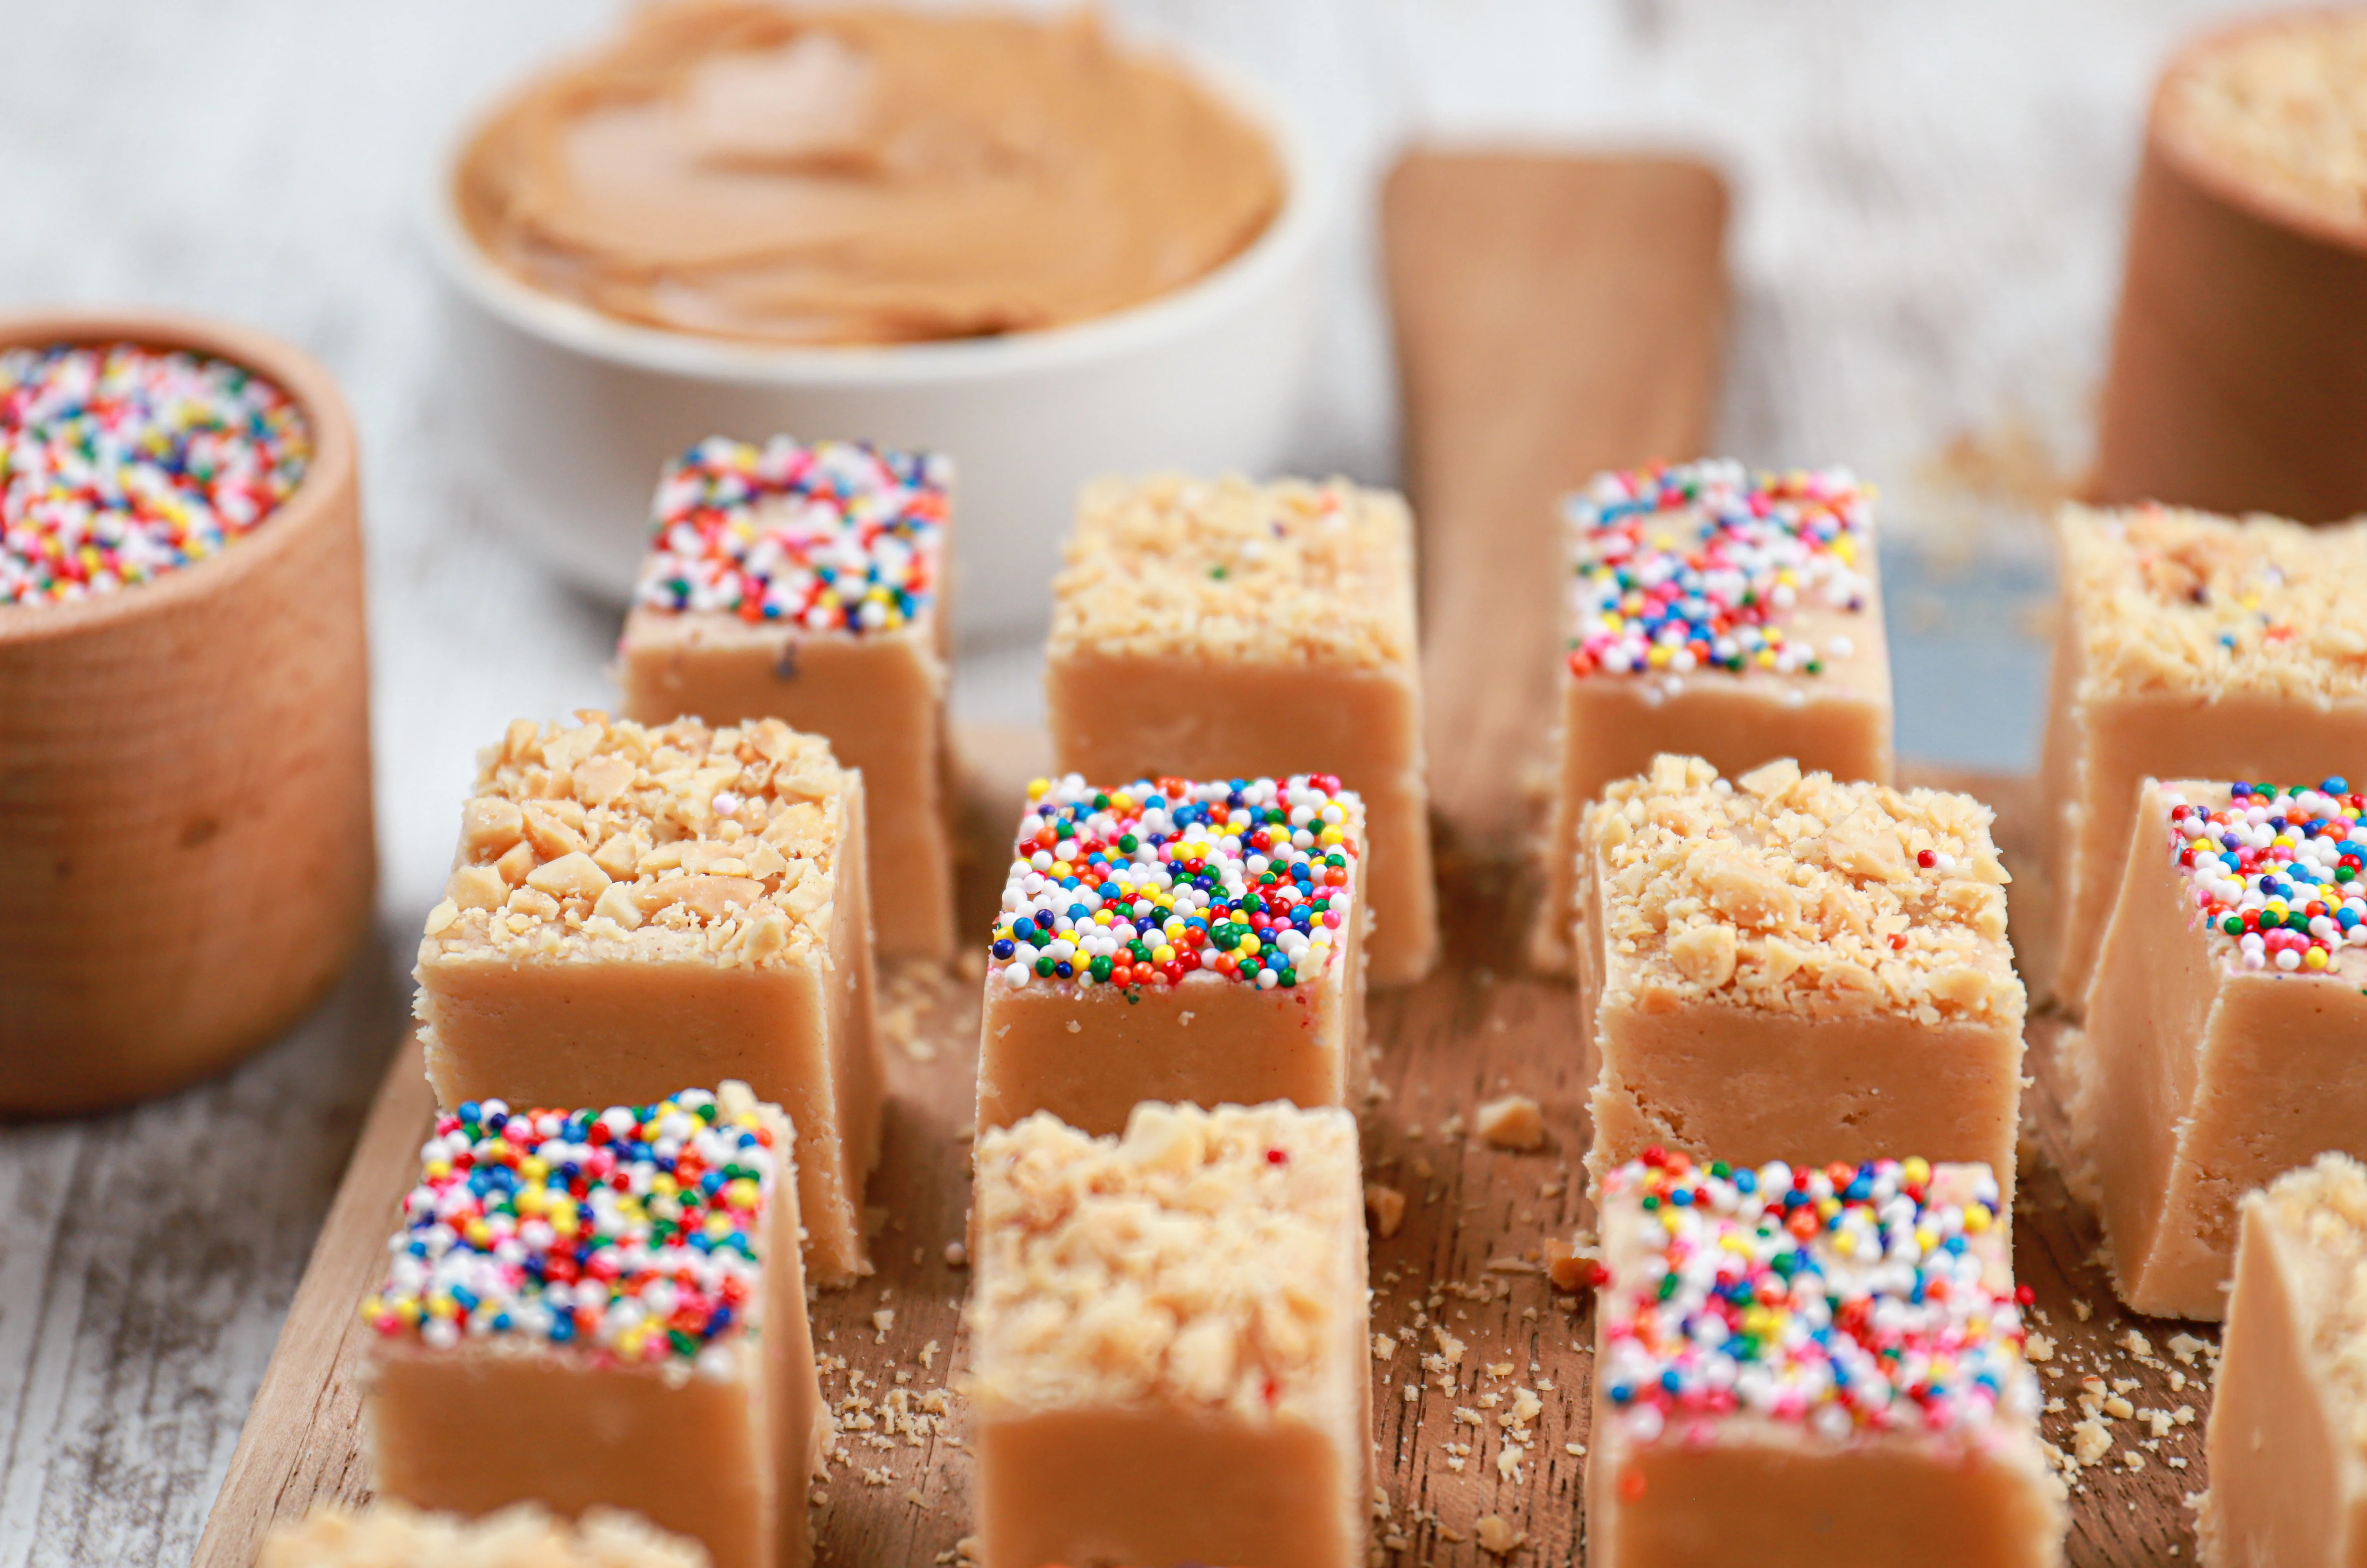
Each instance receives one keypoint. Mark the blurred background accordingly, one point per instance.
(1929, 204)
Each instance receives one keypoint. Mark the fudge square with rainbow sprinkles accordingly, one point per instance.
(807, 583)
(1219, 629)
(2223, 1041)
(604, 1308)
(1813, 1366)
(1175, 941)
(1720, 614)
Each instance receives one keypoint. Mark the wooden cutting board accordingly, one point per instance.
(1620, 259)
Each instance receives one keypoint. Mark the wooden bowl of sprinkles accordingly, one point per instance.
(187, 854)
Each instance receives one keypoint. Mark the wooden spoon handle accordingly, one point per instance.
(1554, 316)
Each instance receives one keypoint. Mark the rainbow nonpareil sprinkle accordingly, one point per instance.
(838, 536)
(2278, 869)
(1844, 1298)
(121, 463)
(1701, 567)
(1251, 879)
(634, 1233)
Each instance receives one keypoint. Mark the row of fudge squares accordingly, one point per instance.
(1168, 1341)
(589, 1310)
(605, 1310)
(1205, 628)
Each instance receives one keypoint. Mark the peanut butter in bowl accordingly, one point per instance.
(786, 176)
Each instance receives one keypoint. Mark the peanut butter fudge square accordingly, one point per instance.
(604, 1309)
(2223, 1030)
(636, 908)
(2287, 1449)
(1169, 1342)
(1224, 629)
(2188, 647)
(1173, 940)
(1813, 1367)
(394, 1535)
(807, 584)
(1785, 967)
(1717, 614)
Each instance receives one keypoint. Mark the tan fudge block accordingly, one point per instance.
(1719, 615)
(1169, 1342)
(2206, 1068)
(635, 909)
(680, 1385)
(393, 1534)
(1772, 969)
(1225, 629)
(2287, 1449)
(1721, 1433)
(2188, 647)
(807, 584)
(1239, 890)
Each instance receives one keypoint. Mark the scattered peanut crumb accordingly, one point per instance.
(1513, 1122)
(1385, 1207)
(1496, 1536)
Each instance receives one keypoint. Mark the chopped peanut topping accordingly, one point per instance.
(677, 840)
(1207, 1260)
(1290, 572)
(1792, 894)
(2199, 606)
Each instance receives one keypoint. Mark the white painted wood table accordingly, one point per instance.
(1926, 247)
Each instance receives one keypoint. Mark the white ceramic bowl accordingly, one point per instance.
(564, 417)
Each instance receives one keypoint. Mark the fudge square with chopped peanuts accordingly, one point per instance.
(2188, 646)
(2222, 1044)
(807, 584)
(1720, 614)
(636, 908)
(1219, 629)
(1785, 966)
(604, 1309)
(1170, 1341)
(1174, 940)
(1821, 1367)
(2286, 1447)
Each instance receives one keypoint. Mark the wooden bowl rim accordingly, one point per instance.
(328, 483)
(2178, 154)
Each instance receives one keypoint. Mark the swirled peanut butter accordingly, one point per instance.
(863, 176)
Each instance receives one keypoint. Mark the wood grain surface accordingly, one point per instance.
(1554, 316)
(1465, 1260)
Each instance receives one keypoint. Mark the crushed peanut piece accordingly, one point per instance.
(1513, 1122)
